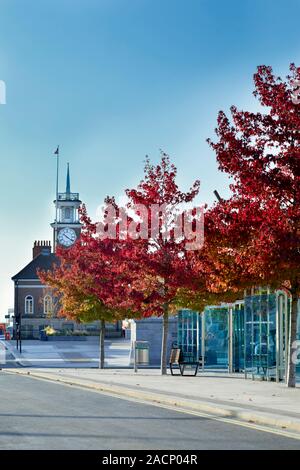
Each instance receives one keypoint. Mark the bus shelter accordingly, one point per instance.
(249, 336)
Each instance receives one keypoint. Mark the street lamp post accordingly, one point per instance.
(17, 312)
(20, 331)
(18, 316)
(217, 195)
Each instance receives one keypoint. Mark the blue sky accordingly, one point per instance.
(113, 80)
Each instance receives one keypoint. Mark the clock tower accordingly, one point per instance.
(66, 226)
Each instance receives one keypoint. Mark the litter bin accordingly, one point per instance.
(142, 352)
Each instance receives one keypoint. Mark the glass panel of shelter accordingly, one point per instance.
(205, 335)
(208, 335)
(189, 333)
(238, 337)
(216, 337)
(265, 335)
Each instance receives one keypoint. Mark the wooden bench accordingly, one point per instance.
(180, 359)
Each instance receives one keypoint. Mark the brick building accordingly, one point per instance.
(34, 305)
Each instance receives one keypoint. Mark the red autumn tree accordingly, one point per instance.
(260, 224)
(164, 266)
(89, 280)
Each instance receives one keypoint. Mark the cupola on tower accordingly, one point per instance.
(66, 226)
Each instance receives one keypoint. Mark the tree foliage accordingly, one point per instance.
(259, 226)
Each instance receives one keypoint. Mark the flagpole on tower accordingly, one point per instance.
(56, 202)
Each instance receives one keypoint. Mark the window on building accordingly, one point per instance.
(47, 305)
(68, 214)
(28, 305)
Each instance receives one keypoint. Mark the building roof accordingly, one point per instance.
(43, 262)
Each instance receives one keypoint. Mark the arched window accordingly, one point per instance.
(47, 305)
(28, 305)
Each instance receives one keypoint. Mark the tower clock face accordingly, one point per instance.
(67, 237)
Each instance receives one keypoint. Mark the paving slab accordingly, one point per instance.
(68, 354)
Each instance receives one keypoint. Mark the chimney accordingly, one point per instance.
(41, 247)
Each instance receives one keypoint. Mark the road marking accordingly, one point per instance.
(200, 414)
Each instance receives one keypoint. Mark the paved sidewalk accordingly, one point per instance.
(218, 394)
(70, 353)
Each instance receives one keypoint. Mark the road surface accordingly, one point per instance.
(36, 414)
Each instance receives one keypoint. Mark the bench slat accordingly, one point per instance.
(175, 356)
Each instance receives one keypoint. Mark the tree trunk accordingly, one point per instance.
(163, 367)
(101, 344)
(291, 366)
